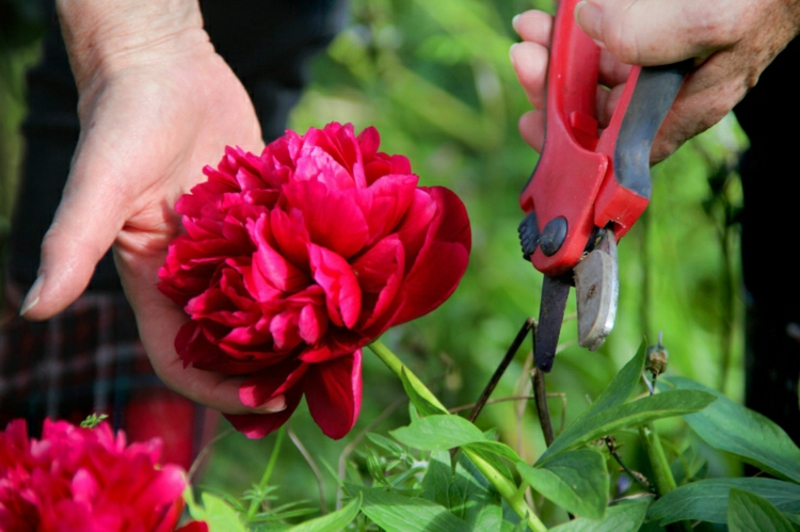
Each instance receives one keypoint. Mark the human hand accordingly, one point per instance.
(156, 105)
(732, 41)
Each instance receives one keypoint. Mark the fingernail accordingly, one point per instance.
(601, 44)
(511, 52)
(590, 18)
(514, 21)
(33, 296)
(276, 404)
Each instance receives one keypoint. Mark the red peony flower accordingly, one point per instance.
(85, 480)
(294, 260)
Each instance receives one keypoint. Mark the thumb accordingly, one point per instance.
(655, 32)
(84, 227)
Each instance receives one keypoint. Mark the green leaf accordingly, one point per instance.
(490, 447)
(623, 384)
(471, 494)
(747, 512)
(410, 384)
(730, 427)
(437, 480)
(396, 513)
(707, 500)
(218, 514)
(438, 433)
(622, 518)
(93, 420)
(489, 454)
(464, 491)
(384, 443)
(608, 420)
(195, 510)
(332, 522)
(576, 481)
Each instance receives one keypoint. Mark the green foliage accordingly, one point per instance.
(332, 522)
(93, 420)
(747, 511)
(438, 433)
(397, 513)
(577, 481)
(622, 518)
(707, 500)
(732, 428)
(216, 512)
(645, 410)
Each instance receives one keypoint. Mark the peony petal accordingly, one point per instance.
(342, 293)
(256, 426)
(390, 199)
(322, 205)
(315, 355)
(284, 329)
(265, 385)
(85, 487)
(313, 323)
(442, 260)
(194, 348)
(416, 225)
(380, 273)
(368, 141)
(277, 272)
(291, 236)
(333, 394)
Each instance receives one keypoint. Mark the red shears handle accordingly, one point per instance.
(584, 181)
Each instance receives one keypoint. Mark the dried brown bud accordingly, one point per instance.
(657, 359)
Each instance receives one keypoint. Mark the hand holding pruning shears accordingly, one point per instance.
(592, 181)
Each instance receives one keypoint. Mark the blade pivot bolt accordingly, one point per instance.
(553, 235)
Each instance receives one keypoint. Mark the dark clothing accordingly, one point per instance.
(769, 219)
(89, 358)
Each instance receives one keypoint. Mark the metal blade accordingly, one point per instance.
(597, 292)
(551, 313)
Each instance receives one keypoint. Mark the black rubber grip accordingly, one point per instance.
(652, 98)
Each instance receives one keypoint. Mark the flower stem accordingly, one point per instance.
(273, 459)
(658, 460)
(505, 487)
(665, 482)
(507, 490)
(394, 364)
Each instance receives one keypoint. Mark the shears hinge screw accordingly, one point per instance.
(553, 235)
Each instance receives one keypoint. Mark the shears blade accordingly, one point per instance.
(596, 282)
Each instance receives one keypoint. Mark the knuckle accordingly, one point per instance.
(620, 38)
(716, 26)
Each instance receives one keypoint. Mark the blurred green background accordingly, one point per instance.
(436, 80)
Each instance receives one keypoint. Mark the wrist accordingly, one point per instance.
(103, 35)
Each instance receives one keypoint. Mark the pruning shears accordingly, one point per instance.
(588, 188)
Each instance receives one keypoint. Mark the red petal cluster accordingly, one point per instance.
(295, 259)
(85, 480)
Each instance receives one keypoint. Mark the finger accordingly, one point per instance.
(531, 127)
(706, 97)
(613, 72)
(607, 100)
(84, 227)
(530, 63)
(654, 32)
(534, 26)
